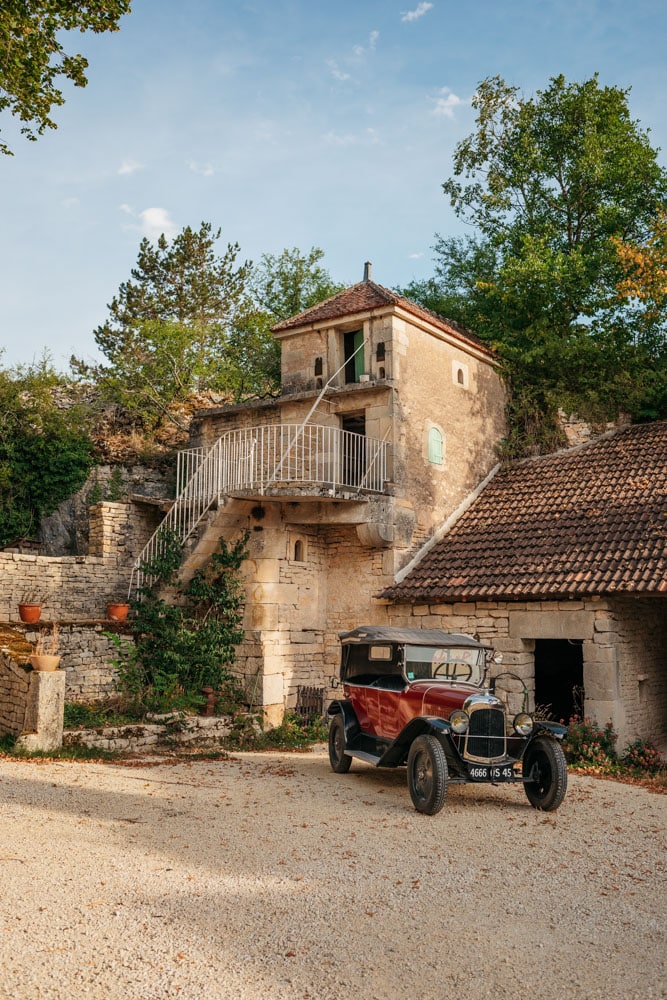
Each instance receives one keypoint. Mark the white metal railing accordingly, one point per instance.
(260, 459)
(187, 463)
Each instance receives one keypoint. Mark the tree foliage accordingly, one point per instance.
(285, 285)
(32, 57)
(551, 184)
(191, 319)
(167, 333)
(45, 449)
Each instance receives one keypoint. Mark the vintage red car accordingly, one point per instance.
(423, 698)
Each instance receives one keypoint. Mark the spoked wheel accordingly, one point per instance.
(546, 759)
(427, 775)
(339, 760)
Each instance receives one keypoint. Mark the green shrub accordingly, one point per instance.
(643, 756)
(586, 745)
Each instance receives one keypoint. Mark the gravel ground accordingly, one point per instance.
(267, 875)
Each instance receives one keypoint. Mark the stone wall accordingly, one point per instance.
(31, 704)
(78, 587)
(86, 651)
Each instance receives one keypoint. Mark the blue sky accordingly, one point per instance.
(286, 123)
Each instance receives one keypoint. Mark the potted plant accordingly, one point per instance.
(118, 608)
(46, 655)
(30, 607)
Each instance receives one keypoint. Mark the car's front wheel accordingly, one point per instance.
(427, 775)
(545, 762)
(339, 760)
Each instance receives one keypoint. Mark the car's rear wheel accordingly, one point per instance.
(339, 760)
(545, 759)
(427, 775)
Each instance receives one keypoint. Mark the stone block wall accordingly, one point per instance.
(86, 651)
(14, 687)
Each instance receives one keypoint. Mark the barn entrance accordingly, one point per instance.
(559, 677)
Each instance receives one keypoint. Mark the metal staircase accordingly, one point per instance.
(304, 459)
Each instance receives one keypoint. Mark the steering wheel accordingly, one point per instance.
(452, 673)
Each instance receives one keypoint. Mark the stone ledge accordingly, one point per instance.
(191, 729)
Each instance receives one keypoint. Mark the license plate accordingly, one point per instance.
(484, 772)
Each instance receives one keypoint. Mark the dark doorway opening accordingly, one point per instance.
(559, 677)
(354, 449)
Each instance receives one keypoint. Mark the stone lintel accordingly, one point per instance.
(541, 624)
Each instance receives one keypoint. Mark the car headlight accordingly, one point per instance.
(459, 721)
(523, 724)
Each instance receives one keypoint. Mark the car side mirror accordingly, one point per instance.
(497, 657)
(334, 682)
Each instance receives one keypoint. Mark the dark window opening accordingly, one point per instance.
(318, 366)
(354, 449)
(460, 377)
(559, 677)
(354, 355)
(381, 373)
(379, 352)
(298, 550)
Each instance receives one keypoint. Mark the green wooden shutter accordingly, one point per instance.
(359, 367)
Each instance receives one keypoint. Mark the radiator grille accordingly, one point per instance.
(486, 735)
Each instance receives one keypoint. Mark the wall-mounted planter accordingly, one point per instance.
(117, 612)
(44, 661)
(30, 613)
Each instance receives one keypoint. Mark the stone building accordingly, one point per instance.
(561, 562)
(372, 495)
(386, 423)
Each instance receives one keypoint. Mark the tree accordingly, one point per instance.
(45, 447)
(191, 320)
(32, 57)
(167, 334)
(291, 282)
(549, 183)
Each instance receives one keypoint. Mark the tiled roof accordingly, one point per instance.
(592, 520)
(368, 295)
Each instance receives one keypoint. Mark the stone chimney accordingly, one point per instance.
(367, 271)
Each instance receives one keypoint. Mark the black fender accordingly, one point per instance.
(341, 706)
(544, 727)
(397, 752)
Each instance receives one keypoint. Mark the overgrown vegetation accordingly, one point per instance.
(591, 748)
(46, 451)
(188, 643)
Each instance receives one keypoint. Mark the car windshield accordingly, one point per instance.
(447, 663)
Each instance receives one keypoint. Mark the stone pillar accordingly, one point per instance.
(44, 711)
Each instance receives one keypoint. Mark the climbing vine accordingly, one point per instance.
(189, 643)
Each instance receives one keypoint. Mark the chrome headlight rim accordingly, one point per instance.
(459, 721)
(523, 723)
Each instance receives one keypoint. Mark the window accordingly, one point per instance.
(460, 374)
(379, 351)
(318, 366)
(298, 551)
(435, 446)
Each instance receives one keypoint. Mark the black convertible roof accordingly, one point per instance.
(413, 636)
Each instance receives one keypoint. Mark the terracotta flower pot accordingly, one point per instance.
(30, 613)
(117, 612)
(43, 661)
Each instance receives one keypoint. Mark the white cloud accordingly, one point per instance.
(337, 74)
(447, 102)
(360, 50)
(153, 222)
(415, 256)
(204, 169)
(419, 11)
(337, 139)
(130, 167)
(126, 208)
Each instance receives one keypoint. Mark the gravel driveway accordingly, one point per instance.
(268, 876)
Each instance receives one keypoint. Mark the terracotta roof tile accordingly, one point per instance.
(368, 295)
(592, 520)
